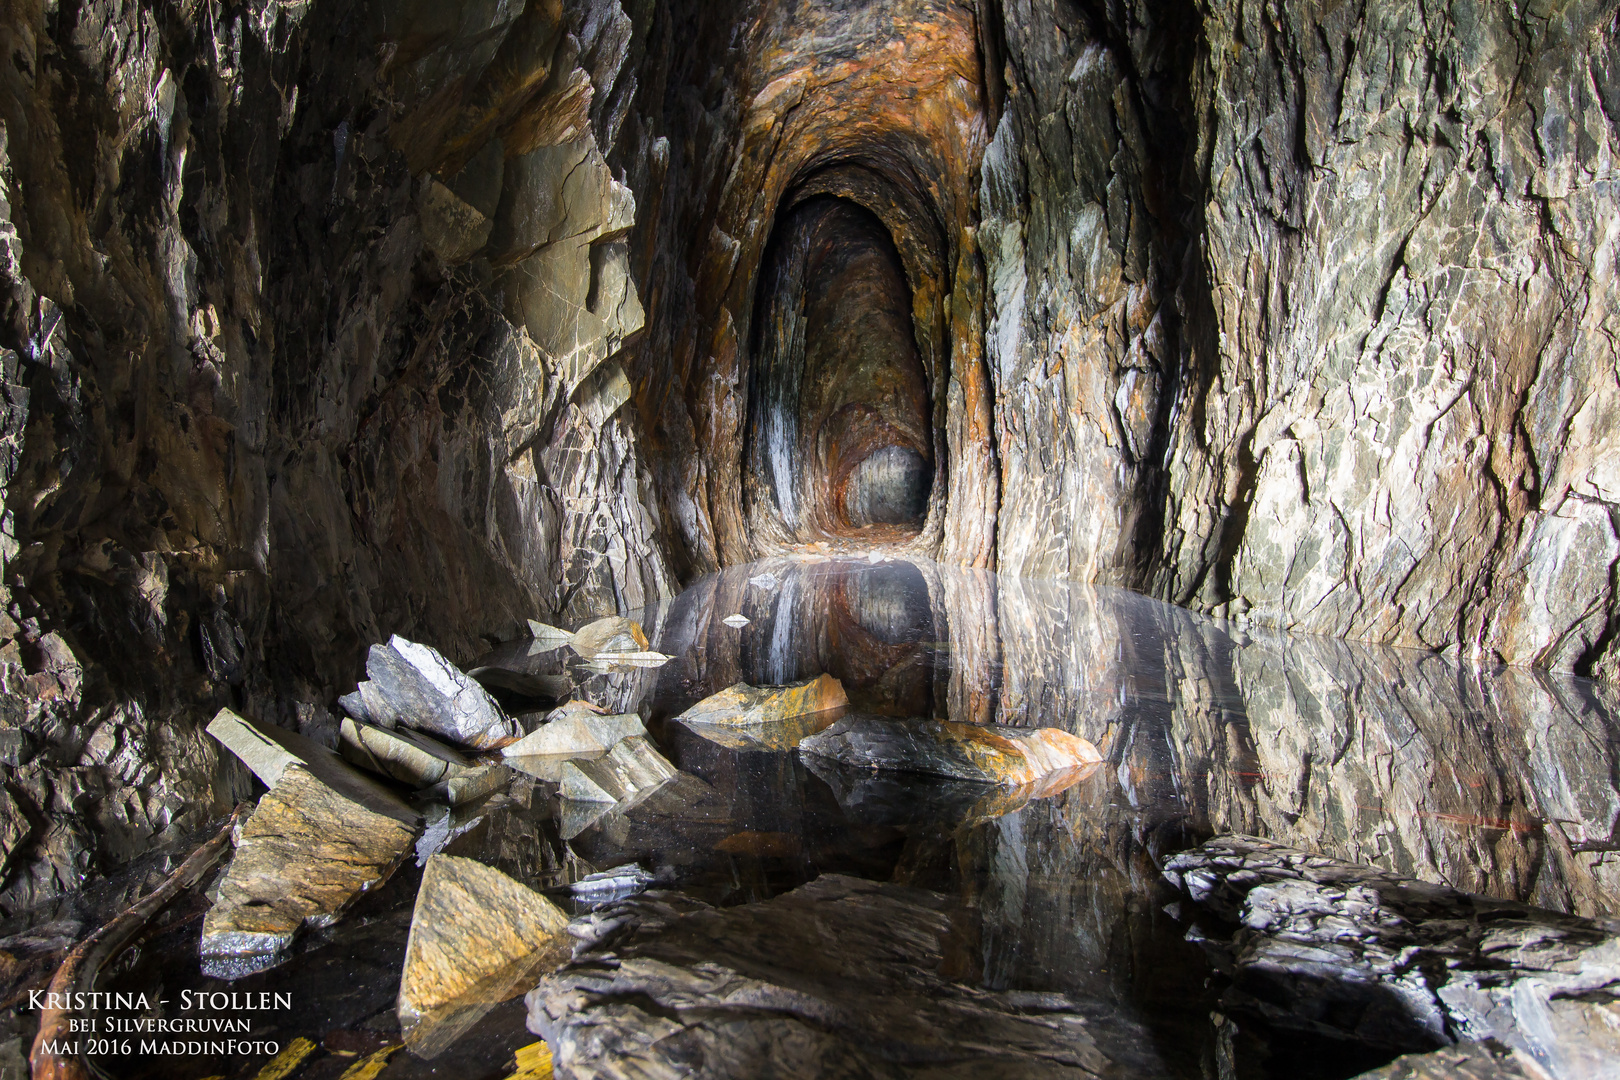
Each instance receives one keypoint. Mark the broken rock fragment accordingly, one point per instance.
(614, 634)
(408, 756)
(477, 938)
(308, 851)
(576, 728)
(630, 768)
(269, 751)
(989, 753)
(412, 685)
(741, 704)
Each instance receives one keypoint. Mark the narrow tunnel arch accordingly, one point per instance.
(841, 435)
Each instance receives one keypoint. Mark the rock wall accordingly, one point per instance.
(1303, 316)
(309, 316)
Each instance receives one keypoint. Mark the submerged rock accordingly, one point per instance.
(576, 728)
(414, 686)
(741, 704)
(838, 979)
(477, 938)
(1329, 947)
(614, 634)
(630, 768)
(990, 753)
(307, 852)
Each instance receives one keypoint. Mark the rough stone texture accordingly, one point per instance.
(270, 751)
(839, 978)
(630, 768)
(991, 753)
(477, 938)
(304, 856)
(1324, 945)
(268, 394)
(575, 729)
(743, 705)
(413, 685)
(1469, 1061)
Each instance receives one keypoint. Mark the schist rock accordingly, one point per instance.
(477, 938)
(408, 756)
(837, 979)
(612, 634)
(576, 728)
(986, 752)
(306, 853)
(412, 685)
(744, 705)
(630, 768)
(1334, 948)
(772, 737)
(1465, 1061)
(269, 751)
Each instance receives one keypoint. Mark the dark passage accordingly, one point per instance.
(839, 440)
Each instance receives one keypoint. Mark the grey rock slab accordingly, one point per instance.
(472, 784)
(630, 768)
(422, 690)
(477, 938)
(405, 755)
(307, 852)
(991, 753)
(1334, 948)
(837, 979)
(269, 751)
(576, 728)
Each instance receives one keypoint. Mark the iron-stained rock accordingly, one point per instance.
(986, 752)
(576, 729)
(774, 736)
(744, 705)
(306, 853)
(477, 938)
(630, 768)
(614, 634)
(420, 689)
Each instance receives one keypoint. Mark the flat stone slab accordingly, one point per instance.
(269, 750)
(743, 705)
(307, 852)
(576, 728)
(405, 755)
(477, 938)
(412, 685)
(630, 768)
(989, 753)
(837, 980)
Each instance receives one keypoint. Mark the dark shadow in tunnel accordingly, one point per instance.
(839, 439)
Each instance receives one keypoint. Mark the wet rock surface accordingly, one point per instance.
(840, 977)
(576, 729)
(1371, 957)
(631, 767)
(743, 705)
(305, 855)
(412, 685)
(993, 754)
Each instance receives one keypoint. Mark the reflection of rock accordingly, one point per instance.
(477, 938)
(744, 705)
(901, 798)
(772, 737)
(989, 753)
(413, 685)
(1326, 946)
(576, 729)
(612, 634)
(632, 766)
(473, 784)
(307, 852)
(839, 978)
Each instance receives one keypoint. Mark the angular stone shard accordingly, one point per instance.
(839, 979)
(771, 737)
(408, 756)
(613, 634)
(475, 783)
(547, 638)
(576, 728)
(477, 938)
(630, 768)
(741, 704)
(736, 621)
(269, 751)
(417, 687)
(989, 753)
(307, 852)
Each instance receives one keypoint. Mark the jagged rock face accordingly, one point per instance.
(840, 429)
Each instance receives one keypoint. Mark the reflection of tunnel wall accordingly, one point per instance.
(839, 434)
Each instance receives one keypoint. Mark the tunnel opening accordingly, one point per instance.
(840, 433)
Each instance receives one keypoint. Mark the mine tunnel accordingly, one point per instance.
(839, 438)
